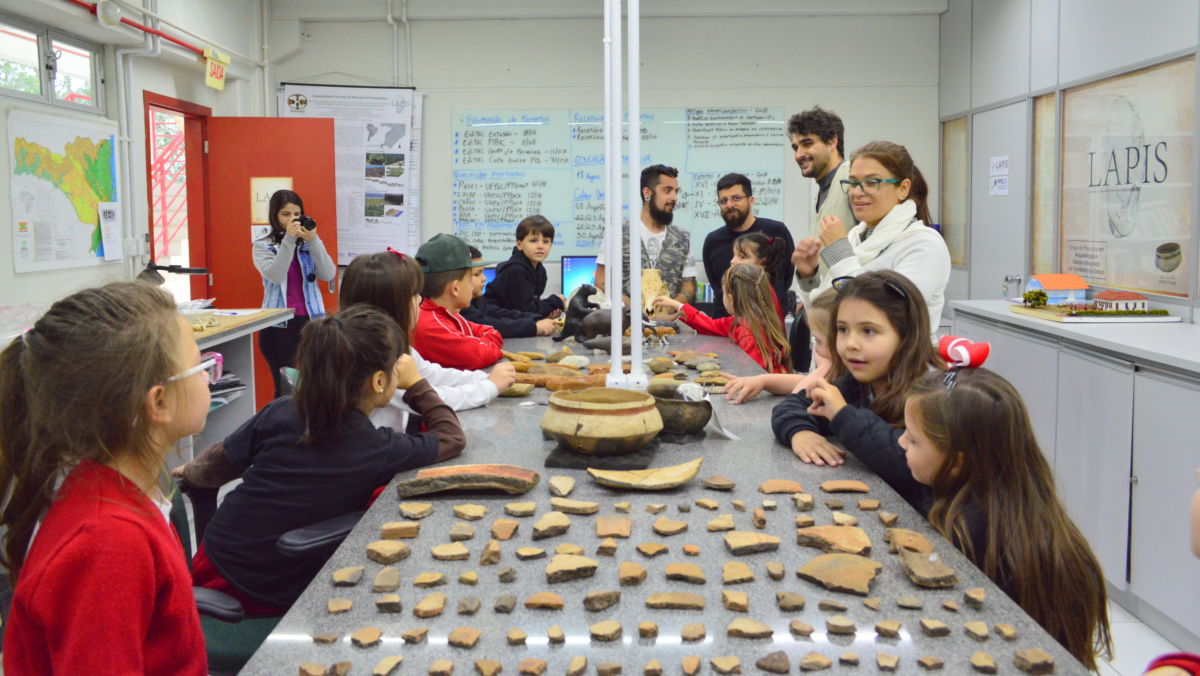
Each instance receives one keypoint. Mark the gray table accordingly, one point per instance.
(508, 432)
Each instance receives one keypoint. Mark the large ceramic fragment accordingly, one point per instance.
(900, 539)
(743, 542)
(846, 539)
(927, 570)
(675, 601)
(564, 567)
(508, 478)
(655, 479)
(841, 572)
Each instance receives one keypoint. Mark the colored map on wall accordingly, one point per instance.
(62, 169)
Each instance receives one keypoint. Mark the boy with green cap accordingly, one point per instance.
(442, 335)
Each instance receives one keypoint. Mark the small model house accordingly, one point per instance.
(1061, 289)
(1120, 301)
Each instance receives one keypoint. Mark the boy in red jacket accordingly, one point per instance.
(442, 335)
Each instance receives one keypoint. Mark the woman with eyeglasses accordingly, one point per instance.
(889, 197)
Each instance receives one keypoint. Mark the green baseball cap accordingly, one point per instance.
(445, 252)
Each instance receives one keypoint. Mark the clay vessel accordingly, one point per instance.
(681, 416)
(602, 420)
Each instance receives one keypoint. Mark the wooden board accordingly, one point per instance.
(1061, 317)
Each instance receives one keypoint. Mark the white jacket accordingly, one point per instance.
(460, 390)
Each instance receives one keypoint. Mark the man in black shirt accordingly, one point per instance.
(735, 196)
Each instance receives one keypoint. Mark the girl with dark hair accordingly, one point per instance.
(291, 258)
(879, 331)
(765, 251)
(95, 396)
(314, 456)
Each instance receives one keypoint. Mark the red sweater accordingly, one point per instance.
(726, 326)
(105, 588)
(445, 338)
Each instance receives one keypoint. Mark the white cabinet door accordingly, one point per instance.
(1166, 453)
(1092, 453)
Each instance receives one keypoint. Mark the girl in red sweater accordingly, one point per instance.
(754, 324)
(95, 395)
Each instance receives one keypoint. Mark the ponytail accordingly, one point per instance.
(772, 251)
(753, 308)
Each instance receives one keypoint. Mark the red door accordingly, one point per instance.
(240, 148)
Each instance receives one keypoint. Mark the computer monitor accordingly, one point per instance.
(489, 274)
(577, 270)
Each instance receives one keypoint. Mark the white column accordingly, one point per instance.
(637, 375)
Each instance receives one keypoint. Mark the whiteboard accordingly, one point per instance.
(509, 164)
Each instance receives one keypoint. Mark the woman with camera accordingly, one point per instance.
(291, 258)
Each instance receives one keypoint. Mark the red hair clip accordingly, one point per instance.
(398, 253)
(962, 353)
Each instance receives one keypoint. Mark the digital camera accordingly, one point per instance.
(308, 223)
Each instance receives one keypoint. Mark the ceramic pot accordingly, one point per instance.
(1168, 256)
(602, 420)
(680, 416)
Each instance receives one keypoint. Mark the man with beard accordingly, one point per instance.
(665, 247)
(735, 196)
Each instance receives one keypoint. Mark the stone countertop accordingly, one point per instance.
(507, 431)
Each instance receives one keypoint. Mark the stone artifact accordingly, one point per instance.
(337, 606)
(815, 662)
(599, 600)
(931, 663)
(800, 628)
(347, 577)
(744, 627)
(415, 635)
(774, 570)
(803, 501)
(505, 604)
(386, 580)
(872, 603)
(613, 526)
(685, 572)
(655, 508)
(737, 601)
(326, 638)
(843, 519)
(487, 667)
(840, 625)
(934, 627)
(691, 665)
(532, 666)
(868, 504)
(833, 504)
(550, 525)
(431, 606)
(507, 478)
(469, 577)
(721, 523)
(1006, 632)
(441, 668)
(507, 574)
(676, 601)
(570, 549)
(454, 551)
(887, 518)
(631, 573)
(910, 602)
(555, 634)
(515, 637)
(564, 567)
(769, 505)
(977, 630)
(608, 630)
(387, 665)
(518, 390)
(983, 663)
(527, 553)
(415, 510)
(544, 601)
(718, 483)
(775, 663)
(904, 539)
(469, 605)
(387, 551)
(656, 479)
(759, 518)
(684, 508)
(520, 508)
(648, 630)
(789, 602)
(608, 547)
(772, 486)
(568, 506)
(665, 526)
(490, 554)
(653, 549)
(975, 597)
(504, 529)
(841, 572)
(845, 486)
(1034, 661)
(888, 628)
(691, 550)
(705, 503)
(622, 507)
(829, 605)
(693, 632)
(927, 570)
(805, 521)
(602, 420)
(886, 662)
(846, 539)
(577, 666)
(429, 580)
(399, 530)
(739, 505)
(366, 637)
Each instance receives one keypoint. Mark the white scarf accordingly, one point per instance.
(893, 228)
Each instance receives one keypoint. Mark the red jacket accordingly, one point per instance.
(729, 327)
(445, 338)
(105, 588)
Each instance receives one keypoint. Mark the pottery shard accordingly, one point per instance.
(774, 570)
(840, 625)
(868, 505)
(739, 505)
(608, 547)
(805, 521)
(934, 627)
(490, 554)
(313, 669)
(803, 501)
(544, 601)
(726, 665)
(507, 478)
(487, 667)
(416, 510)
(454, 551)
(815, 662)
(775, 663)
(564, 567)
(684, 508)
(743, 542)
(431, 606)
(831, 606)
(555, 634)
(622, 507)
(441, 668)
(470, 512)
(388, 603)
(516, 637)
(527, 553)
(648, 630)
(325, 638)
(903, 539)
(608, 630)
(577, 666)
(718, 483)
(347, 577)
(693, 632)
(950, 605)
(337, 606)
(469, 605)
(569, 549)
(399, 530)
(631, 573)
(800, 628)
(843, 519)
(849, 659)
(685, 572)
(705, 503)
(366, 637)
(834, 504)
(736, 572)
(910, 602)
(759, 518)
(664, 526)
(1034, 661)
(504, 529)
(789, 601)
(608, 669)
(691, 665)
(469, 577)
(655, 508)
(983, 663)
(532, 666)
(415, 635)
(737, 601)
(461, 530)
(386, 580)
(886, 662)
(387, 665)
(518, 390)
(507, 574)
(505, 604)
(613, 526)
(429, 580)
(691, 550)
(888, 628)
(977, 630)
(721, 523)
(675, 601)
(520, 508)
(841, 572)
(872, 603)
(846, 539)
(780, 486)
(568, 506)
(655, 479)
(931, 663)
(887, 518)
(651, 549)
(1006, 632)
(744, 627)
(927, 570)
(387, 551)
(652, 668)
(561, 486)
(550, 525)
(975, 597)
(599, 600)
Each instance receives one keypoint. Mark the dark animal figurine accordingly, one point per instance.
(599, 323)
(578, 309)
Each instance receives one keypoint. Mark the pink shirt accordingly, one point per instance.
(295, 288)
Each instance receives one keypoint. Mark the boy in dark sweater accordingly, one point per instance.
(510, 323)
(521, 280)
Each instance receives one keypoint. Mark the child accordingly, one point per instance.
(391, 281)
(880, 334)
(754, 326)
(521, 279)
(314, 456)
(442, 335)
(768, 253)
(971, 464)
(510, 323)
(99, 391)
(740, 389)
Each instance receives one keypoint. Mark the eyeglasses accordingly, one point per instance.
(869, 186)
(842, 283)
(210, 366)
(736, 199)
